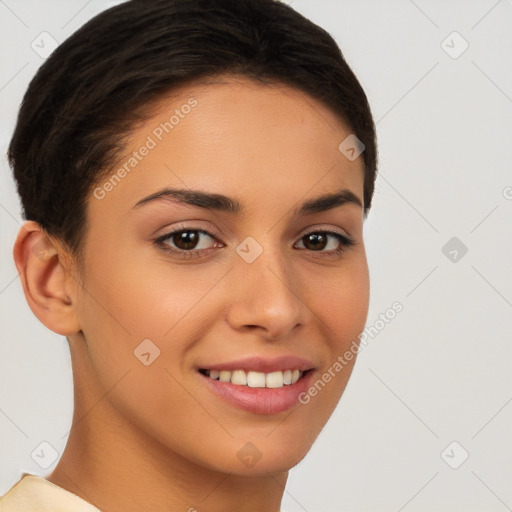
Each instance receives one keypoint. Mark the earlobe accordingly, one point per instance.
(49, 288)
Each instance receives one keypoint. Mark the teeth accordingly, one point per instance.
(225, 376)
(238, 377)
(257, 379)
(274, 380)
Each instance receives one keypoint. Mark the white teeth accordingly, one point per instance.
(238, 377)
(274, 380)
(257, 379)
(225, 376)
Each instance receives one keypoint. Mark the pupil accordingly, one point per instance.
(186, 240)
(315, 240)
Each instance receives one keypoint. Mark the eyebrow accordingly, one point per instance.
(222, 203)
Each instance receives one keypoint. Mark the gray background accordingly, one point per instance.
(440, 371)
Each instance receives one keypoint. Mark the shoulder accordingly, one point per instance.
(33, 492)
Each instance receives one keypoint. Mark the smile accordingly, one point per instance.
(253, 379)
(264, 393)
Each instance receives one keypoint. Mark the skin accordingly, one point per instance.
(165, 441)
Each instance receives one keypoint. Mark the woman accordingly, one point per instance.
(194, 177)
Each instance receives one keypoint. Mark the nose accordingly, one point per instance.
(265, 297)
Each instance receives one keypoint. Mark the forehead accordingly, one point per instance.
(236, 137)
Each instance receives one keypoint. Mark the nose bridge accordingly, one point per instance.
(267, 296)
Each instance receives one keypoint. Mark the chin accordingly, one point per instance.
(272, 454)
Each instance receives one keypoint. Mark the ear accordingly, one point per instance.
(49, 286)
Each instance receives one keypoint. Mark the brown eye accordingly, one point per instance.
(318, 241)
(185, 240)
(315, 241)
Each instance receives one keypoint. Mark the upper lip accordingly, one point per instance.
(261, 364)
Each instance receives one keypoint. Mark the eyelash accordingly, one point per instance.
(344, 243)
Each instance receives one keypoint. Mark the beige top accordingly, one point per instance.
(33, 493)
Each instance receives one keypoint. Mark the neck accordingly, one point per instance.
(118, 467)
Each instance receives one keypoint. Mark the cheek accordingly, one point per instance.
(139, 301)
(159, 314)
(342, 300)
(130, 310)
(348, 311)
(341, 306)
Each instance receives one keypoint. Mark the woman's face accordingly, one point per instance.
(251, 286)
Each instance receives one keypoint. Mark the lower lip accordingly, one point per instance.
(260, 400)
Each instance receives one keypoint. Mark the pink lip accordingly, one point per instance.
(260, 400)
(258, 364)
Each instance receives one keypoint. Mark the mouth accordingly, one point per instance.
(258, 392)
(253, 379)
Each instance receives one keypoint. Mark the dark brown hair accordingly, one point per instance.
(88, 95)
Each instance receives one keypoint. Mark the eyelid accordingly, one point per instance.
(181, 226)
(325, 228)
(345, 242)
(213, 232)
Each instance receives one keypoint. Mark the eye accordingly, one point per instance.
(317, 241)
(186, 242)
(193, 242)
